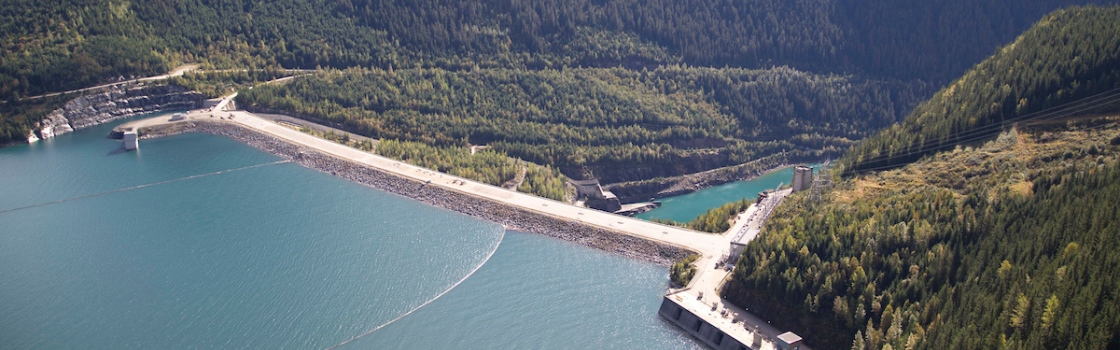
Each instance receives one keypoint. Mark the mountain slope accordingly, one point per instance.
(56, 45)
(1068, 56)
(1003, 243)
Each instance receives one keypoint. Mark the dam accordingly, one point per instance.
(717, 323)
(662, 234)
(721, 325)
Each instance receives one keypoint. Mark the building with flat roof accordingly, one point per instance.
(802, 178)
(789, 341)
(597, 198)
(588, 188)
(739, 243)
(131, 140)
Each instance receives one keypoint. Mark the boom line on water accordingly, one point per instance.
(5, 211)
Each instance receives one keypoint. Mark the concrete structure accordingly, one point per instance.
(211, 102)
(802, 178)
(131, 141)
(739, 243)
(789, 341)
(698, 309)
(637, 208)
(588, 188)
(756, 215)
(719, 329)
(597, 198)
(722, 325)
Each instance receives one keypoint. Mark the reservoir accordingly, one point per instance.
(199, 241)
(686, 207)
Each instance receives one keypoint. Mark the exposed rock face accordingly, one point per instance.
(116, 103)
(31, 137)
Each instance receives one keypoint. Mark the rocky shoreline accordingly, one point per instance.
(510, 217)
(116, 103)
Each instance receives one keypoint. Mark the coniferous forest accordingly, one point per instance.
(620, 123)
(57, 45)
(985, 217)
(1004, 240)
(1069, 56)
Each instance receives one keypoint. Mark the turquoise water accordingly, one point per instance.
(198, 241)
(686, 207)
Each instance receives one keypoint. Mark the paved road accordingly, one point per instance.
(703, 291)
(177, 72)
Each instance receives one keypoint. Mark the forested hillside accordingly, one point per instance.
(621, 124)
(1005, 243)
(910, 41)
(1010, 244)
(1067, 57)
(54, 45)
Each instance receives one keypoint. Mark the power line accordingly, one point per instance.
(1052, 113)
(896, 165)
(893, 166)
(1104, 97)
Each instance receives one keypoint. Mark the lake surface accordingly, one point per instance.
(686, 207)
(198, 241)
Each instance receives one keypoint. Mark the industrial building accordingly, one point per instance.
(739, 243)
(802, 178)
(131, 140)
(596, 197)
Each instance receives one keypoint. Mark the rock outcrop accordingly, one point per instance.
(116, 103)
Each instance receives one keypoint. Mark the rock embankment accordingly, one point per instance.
(510, 217)
(115, 103)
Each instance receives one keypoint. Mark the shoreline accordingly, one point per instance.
(660, 188)
(509, 217)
